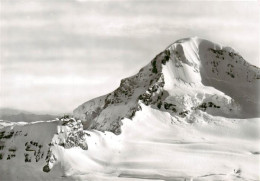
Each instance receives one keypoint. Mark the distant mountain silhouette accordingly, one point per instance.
(10, 111)
(15, 115)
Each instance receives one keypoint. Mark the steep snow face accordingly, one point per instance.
(232, 75)
(190, 74)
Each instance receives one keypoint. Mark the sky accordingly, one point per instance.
(56, 55)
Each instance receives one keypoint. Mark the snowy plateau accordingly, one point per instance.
(192, 113)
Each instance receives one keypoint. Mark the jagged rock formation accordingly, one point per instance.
(104, 113)
(179, 81)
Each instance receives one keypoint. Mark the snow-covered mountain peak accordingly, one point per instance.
(189, 75)
(209, 60)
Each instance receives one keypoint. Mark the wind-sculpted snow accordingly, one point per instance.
(190, 114)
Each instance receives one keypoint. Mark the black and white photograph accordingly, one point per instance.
(129, 90)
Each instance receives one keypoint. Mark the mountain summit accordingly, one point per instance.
(190, 114)
(191, 74)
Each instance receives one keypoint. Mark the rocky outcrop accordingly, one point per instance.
(25, 143)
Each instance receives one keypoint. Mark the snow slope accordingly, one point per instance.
(153, 146)
(190, 114)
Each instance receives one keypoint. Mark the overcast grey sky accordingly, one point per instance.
(58, 54)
